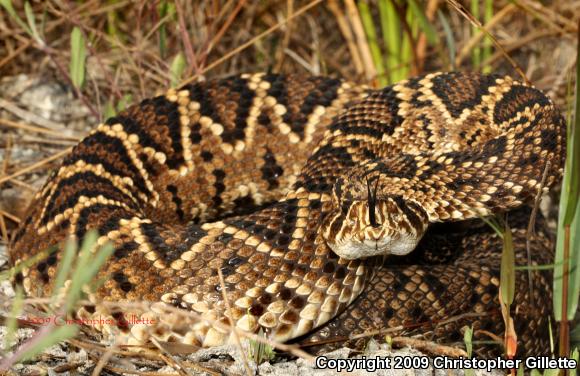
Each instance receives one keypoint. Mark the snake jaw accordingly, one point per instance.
(395, 228)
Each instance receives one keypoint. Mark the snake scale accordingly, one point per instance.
(294, 189)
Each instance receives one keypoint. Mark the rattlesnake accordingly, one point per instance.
(269, 178)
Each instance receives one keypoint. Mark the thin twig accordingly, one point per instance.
(3, 228)
(103, 360)
(170, 360)
(186, 40)
(281, 52)
(36, 165)
(361, 40)
(22, 184)
(465, 13)
(475, 39)
(530, 231)
(430, 12)
(32, 128)
(347, 34)
(230, 315)
(429, 347)
(236, 50)
(30, 117)
(214, 41)
(11, 217)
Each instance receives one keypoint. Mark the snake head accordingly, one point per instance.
(365, 222)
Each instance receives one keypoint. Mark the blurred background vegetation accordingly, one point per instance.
(137, 47)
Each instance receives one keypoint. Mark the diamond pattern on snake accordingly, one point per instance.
(328, 207)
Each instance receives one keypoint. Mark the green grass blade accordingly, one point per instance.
(551, 336)
(112, 29)
(575, 336)
(163, 9)
(64, 267)
(11, 321)
(507, 282)
(370, 31)
(419, 15)
(536, 267)
(487, 43)
(124, 102)
(574, 355)
(406, 54)
(102, 255)
(569, 215)
(31, 19)
(476, 52)
(177, 68)
(7, 4)
(448, 38)
(86, 267)
(78, 56)
(572, 187)
(62, 333)
(10, 273)
(494, 224)
(112, 110)
(109, 111)
(43, 21)
(391, 28)
(468, 339)
(259, 351)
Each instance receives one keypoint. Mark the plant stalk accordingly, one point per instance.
(564, 324)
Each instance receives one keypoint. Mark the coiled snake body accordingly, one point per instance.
(269, 178)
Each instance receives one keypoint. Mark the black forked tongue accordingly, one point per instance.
(372, 197)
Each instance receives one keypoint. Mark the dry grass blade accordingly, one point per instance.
(5, 165)
(521, 42)
(3, 228)
(32, 128)
(530, 231)
(465, 13)
(36, 165)
(215, 40)
(199, 368)
(103, 360)
(143, 373)
(30, 117)
(11, 217)
(15, 53)
(170, 360)
(7, 155)
(292, 349)
(50, 27)
(473, 41)
(347, 34)
(361, 40)
(187, 45)
(250, 42)
(429, 347)
(281, 51)
(430, 13)
(547, 16)
(232, 324)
